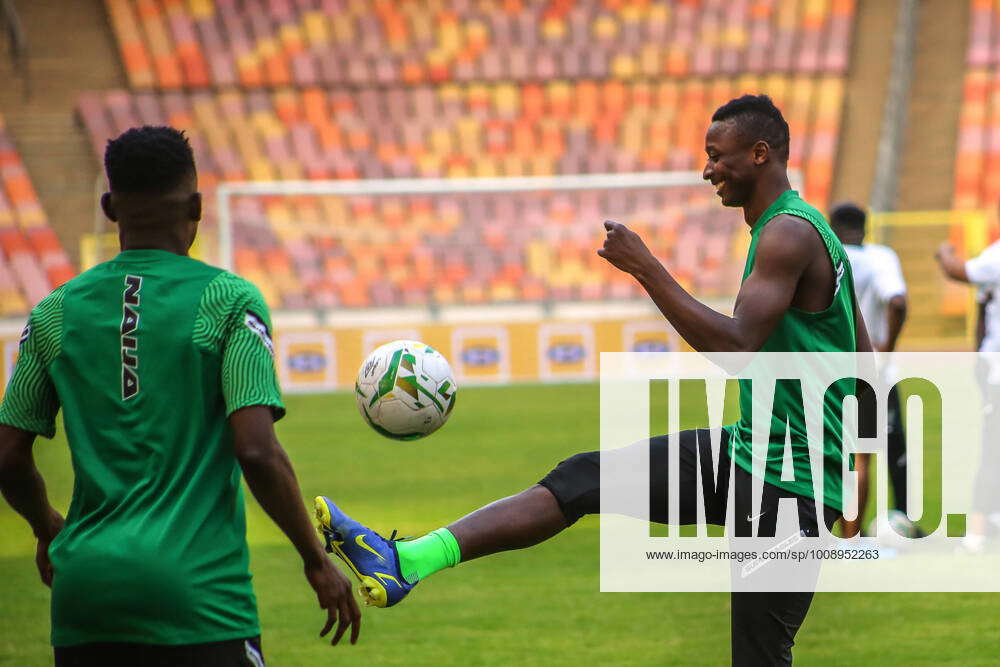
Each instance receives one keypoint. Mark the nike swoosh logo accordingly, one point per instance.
(752, 519)
(360, 540)
(382, 577)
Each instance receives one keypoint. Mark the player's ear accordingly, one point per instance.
(108, 208)
(192, 232)
(194, 207)
(761, 152)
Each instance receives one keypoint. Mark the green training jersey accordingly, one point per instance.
(147, 355)
(829, 330)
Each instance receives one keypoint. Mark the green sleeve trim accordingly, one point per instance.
(249, 377)
(30, 402)
(47, 322)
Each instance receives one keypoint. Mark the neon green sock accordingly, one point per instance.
(422, 557)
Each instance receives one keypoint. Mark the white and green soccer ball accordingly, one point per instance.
(895, 531)
(405, 390)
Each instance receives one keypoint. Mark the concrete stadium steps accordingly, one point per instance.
(867, 81)
(928, 158)
(62, 165)
(926, 182)
(937, 306)
(71, 48)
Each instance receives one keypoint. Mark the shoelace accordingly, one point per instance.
(393, 538)
(329, 535)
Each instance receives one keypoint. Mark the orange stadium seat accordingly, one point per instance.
(135, 54)
(971, 139)
(977, 159)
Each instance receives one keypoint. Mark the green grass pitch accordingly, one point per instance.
(535, 607)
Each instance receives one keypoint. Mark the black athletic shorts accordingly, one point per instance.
(231, 653)
(576, 482)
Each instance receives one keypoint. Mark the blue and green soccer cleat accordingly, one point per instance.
(371, 557)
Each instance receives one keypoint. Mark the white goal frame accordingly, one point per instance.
(410, 186)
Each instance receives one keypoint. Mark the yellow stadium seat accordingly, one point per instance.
(624, 66)
(316, 27)
(201, 9)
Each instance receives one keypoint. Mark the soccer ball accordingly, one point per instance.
(896, 531)
(405, 390)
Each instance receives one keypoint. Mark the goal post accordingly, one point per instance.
(658, 200)
(437, 186)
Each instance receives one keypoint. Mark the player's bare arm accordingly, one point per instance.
(896, 309)
(981, 320)
(24, 489)
(950, 263)
(271, 479)
(789, 251)
(863, 343)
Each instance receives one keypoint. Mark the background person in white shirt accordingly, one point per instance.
(881, 292)
(983, 271)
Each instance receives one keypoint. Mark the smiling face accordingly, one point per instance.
(732, 163)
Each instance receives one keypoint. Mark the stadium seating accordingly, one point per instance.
(171, 44)
(32, 260)
(484, 129)
(357, 89)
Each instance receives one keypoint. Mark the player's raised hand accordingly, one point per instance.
(625, 249)
(944, 251)
(333, 590)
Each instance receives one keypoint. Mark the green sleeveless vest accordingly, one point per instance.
(829, 330)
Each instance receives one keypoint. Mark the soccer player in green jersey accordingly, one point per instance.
(163, 367)
(797, 295)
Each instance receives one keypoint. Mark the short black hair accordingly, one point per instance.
(148, 160)
(848, 215)
(757, 118)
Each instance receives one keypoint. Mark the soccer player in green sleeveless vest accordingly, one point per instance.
(797, 295)
(163, 367)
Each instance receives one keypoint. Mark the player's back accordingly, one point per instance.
(154, 546)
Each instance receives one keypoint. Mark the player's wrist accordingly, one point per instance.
(314, 557)
(649, 271)
(50, 527)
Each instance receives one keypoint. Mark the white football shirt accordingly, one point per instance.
(983, 271)
(877, 278)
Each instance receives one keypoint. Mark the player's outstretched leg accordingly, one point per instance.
(388, 568)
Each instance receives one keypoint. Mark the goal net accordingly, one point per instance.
(470, 242)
